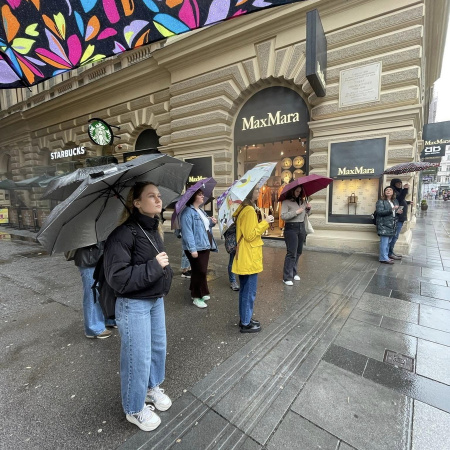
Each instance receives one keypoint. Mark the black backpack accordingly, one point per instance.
(103, 292)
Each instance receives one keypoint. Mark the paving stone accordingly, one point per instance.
(363, 414)
(344, 446)
(366, 316)
(433, 361)
(430, 290)
(444, 304)
(415, 386)
(434, 318)
(373, 289)
(391, 307)
(373, 341)
(382, 281)
(346, 359)
(418, 331)
(431, 428)
(295, 432)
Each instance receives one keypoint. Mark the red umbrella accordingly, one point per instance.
(310, 183)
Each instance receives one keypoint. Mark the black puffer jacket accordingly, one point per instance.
(386, 222)
(131, 268)
(88, 256)
(400, 195)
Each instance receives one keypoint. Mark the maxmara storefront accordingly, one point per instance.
(236, 94)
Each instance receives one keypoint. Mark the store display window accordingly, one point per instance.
(356, 167)
(292, 162)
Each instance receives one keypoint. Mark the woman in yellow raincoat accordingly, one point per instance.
(248, 261)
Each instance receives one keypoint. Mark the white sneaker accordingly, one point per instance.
(146, 419)
(156, 396)
(296, 278)
(288, 282)
(199, 303)
(206, 297)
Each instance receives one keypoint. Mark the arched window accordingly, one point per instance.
(148, 140)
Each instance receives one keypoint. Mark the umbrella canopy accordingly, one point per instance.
(7, 185)
(38, 181)
(240, 189)
(207, 185)
(40, 39)
(61, 187)
(310, 184)
(409, 167)
(90, 214)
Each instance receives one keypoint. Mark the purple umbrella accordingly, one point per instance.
(207, 185)
(310, 184)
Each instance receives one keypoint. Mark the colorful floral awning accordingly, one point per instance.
(43, 38)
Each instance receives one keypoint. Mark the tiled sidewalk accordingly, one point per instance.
(316, 378)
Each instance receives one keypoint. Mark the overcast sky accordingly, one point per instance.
(443, 85)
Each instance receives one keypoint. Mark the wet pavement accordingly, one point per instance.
(317, 376)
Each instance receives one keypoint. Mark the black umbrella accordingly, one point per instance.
(7, 185)
(90, 214)
(61, 187)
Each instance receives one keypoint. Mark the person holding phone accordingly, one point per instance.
(248, 261)
(400, 191)
(386, 208)
(293, 211)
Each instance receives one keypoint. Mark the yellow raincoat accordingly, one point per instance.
(249, 258)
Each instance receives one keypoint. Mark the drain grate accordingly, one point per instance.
(399, 360)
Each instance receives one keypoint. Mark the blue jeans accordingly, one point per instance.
(384, 247)
(247, 295)
(94, 321)
(395, 237)
(231, 275)
(185, 264)
(142, 328)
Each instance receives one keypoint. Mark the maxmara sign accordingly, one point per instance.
(269, 121)
(355, 171)
(68, 153)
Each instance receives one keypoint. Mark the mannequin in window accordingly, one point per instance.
(280, 220)
(265, 202)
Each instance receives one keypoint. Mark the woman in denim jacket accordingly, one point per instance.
(197, 241)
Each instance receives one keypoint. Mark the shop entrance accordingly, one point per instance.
(273, 127)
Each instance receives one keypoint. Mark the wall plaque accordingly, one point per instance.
(360, 85)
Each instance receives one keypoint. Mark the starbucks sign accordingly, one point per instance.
(100, 132)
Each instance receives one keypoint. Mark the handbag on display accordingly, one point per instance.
(308, 227)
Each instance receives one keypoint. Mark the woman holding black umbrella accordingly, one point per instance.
(293, 211)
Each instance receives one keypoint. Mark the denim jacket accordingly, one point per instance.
(194, 237)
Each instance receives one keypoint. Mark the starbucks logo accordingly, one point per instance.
(100, 132)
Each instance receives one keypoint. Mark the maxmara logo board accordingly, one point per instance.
(355, 171)
(269, 121)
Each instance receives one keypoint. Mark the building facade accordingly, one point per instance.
(236, 94)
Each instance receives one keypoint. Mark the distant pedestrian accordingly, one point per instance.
(293, 211)
(198, 242)
(137, 268)
(248, 261)
(386, 209)
(94, 321)
(402, 214)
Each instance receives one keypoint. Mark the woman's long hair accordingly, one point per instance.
(383, 196)
(135, 194)
(291, 196)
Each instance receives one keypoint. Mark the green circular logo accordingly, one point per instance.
(100, 132)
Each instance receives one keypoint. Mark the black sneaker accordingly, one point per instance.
(186, 274)
(252, 322)
(250, 328)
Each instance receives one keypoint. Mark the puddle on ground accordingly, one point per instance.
(15, 237)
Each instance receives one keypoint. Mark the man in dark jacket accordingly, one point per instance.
(94, 321)
(400, 193)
